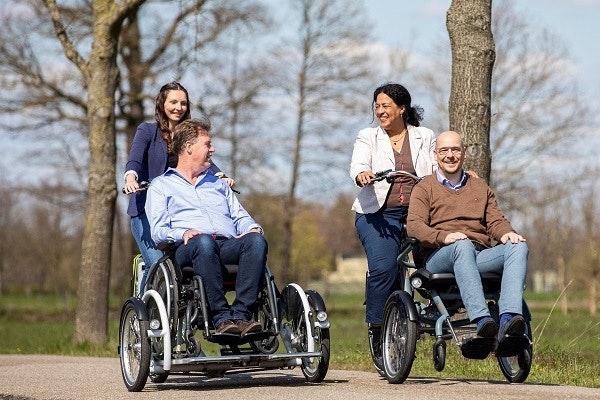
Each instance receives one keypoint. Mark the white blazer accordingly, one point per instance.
(373, 152)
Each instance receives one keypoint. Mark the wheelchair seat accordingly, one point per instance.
(425, 281)
(229, 274)
(187, 276)
(187, 271)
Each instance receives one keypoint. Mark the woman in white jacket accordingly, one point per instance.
(398, 143)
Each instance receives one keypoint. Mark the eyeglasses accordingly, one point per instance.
(444, 151)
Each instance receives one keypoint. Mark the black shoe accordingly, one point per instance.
(515, 326)
(375, 340)
(375, 346)
(511, 338)
(487, 327)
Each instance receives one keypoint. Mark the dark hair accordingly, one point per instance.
(400, 96)
(189, 131)
(161, 116)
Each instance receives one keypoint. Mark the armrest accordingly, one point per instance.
(166, 245)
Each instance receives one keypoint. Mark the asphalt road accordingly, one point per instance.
(25, 377)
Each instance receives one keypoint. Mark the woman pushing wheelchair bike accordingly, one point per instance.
(381, 207)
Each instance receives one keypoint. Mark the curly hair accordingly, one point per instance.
(400, 96)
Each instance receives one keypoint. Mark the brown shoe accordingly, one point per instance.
(248, 326)
(228, 326)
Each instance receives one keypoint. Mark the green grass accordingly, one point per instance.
(566, 348)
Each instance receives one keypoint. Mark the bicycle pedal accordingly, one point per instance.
(511, 346)
(477, 347)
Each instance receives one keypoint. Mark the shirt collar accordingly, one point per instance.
(448, 184)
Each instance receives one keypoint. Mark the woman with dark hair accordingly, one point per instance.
(151, 154)
(398, 143)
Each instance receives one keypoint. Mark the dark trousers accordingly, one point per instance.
(381, 235)
(208, 257)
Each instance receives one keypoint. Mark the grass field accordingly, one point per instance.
(566, 347)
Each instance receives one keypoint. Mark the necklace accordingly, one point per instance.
(401, 137)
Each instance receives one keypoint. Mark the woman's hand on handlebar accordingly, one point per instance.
(364, 178)
(131, 184)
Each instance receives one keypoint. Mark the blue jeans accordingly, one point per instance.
(466, 263)
(140, 228)
(380, 234)
(208, 256)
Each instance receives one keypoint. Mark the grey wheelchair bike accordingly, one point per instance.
(162, 333)
(424, 304)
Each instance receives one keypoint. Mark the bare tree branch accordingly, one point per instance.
(61, 32)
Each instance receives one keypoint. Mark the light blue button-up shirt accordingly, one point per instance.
(448, 184)
(174, 205)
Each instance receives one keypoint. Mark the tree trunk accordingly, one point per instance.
(137, 71)
(473, 55)
(91, 315)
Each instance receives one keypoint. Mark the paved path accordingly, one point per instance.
(25, 377)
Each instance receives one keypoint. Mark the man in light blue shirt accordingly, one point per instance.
(199, 211)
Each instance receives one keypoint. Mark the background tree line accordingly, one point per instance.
(287, 90)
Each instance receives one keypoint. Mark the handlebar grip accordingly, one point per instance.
(391, 175)
(142, 186)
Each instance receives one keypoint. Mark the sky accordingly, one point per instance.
(415, 25)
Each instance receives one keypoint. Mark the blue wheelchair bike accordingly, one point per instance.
(162, 332)
(437, 311)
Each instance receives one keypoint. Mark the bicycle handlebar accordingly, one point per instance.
(143, 186)
(389, 175)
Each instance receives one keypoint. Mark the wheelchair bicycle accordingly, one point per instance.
(158, 333)
(439, 313)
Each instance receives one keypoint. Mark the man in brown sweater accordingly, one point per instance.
(455, 217)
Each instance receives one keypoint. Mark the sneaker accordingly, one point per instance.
(247, 326)
(487, 327)
(228, 326)
(513, 326)
(512, 340)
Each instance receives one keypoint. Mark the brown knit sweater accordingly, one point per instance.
(436, 211)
